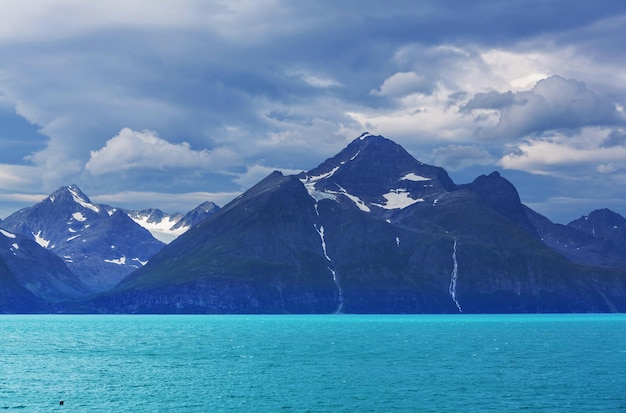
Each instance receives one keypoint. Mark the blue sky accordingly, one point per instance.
(168, 104)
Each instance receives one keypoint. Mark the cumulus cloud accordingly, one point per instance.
(291, 83)
(131, 149)
(552, 104)
(560, 155)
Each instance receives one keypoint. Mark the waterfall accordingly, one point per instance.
(320, 232)
(453, 278)
(340, 291)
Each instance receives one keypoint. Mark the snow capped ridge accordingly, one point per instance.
(364, 135)
(167, 227)
(81, 198)
(161, 229)
(376, 175)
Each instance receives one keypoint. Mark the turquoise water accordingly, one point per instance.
(333, 363)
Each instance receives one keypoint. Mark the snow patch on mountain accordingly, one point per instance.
(41, 240)
(398, 199)
(7, 234)
(414, 177)
(161, 230)
(359, 203)
(118, 261)
(142, 263)
(78, 216)
(309, 183)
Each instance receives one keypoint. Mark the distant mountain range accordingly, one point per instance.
(166, 227)
(67, 247)
(370, 230)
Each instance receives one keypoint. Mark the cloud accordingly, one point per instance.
(489, 100)
(455, 157)
(168, 202)
(552, 104)
(314, 80)
(402, 84)
(291, 83)
(16, 177)
(615, 138)
(13, 201)
(579, 155)
(131, 149)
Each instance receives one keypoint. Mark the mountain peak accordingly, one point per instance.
(500, 194)
(73, 194)
(376, 174)
(603, 223)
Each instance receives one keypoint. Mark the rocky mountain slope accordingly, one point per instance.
(369, 230)
(595, 239)
(38, 270)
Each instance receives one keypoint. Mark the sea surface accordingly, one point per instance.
(330, 363)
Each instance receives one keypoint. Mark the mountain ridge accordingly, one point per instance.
(358, 236)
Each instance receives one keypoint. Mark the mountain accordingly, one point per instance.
(98, 243)
(597, 239)
(604, 224)
(38, 270)
(14, 298)
(166, 227)
(370, 230)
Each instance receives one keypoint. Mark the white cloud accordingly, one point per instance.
(560, 155)
(16, 177)
(418, 117)
(317, 81)
(552, 104)
(606, 168)
(180, 202)
(146, 150)
(402, 84)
